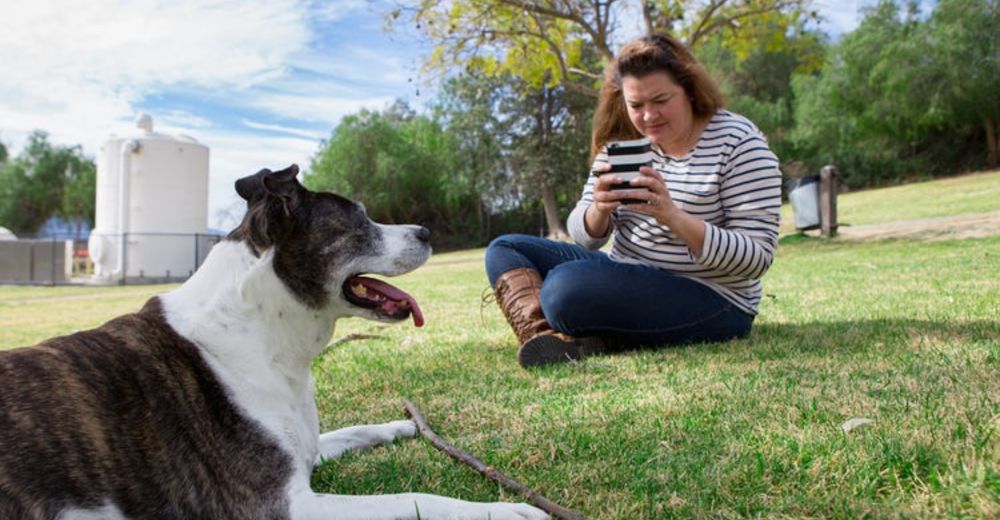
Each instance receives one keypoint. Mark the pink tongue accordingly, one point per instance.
(394, 294)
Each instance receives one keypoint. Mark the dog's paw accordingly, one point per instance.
(403, 428)
(509, 511)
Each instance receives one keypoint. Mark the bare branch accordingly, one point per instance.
(597, 31)
(710, 11)
(705, 28)
(353, 337)
(586, 73)
(647, 16)
(545, 504)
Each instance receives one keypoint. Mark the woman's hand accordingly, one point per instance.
(597, 219)
(605, 199)
(651, 190)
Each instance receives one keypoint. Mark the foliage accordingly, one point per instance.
(468, 107)
(538, 136)
(904, 94)
(478, 167)
(963, 38)
(755, 72)
(568, 42)
(741, 23)
(46, 180)
(554, 53)
(403, 166)
(542, 42)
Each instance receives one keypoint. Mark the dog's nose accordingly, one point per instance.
(423, 234)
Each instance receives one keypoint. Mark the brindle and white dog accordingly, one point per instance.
(201, 405)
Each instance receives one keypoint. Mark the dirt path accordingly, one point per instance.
(970, 225)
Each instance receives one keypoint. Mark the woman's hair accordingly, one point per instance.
(647, 55)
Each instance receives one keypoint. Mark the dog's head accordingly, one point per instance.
(323, 244)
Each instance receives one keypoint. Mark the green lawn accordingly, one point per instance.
(901, 332)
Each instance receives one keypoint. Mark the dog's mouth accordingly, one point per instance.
(386, 300)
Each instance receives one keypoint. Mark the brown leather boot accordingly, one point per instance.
(518, 292)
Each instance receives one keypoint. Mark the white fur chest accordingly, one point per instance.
(258, 340)
(286, 409)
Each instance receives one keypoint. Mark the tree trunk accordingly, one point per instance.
(557, 230)
(543, 135)
(992, 143)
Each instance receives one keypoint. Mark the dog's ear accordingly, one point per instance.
(283, 185)
(271, 199)
(251, 187)
(282, 182)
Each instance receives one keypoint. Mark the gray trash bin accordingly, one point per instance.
(803, 193)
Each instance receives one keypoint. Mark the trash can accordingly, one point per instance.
(803, 193)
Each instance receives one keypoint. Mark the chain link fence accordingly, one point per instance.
(131, 258)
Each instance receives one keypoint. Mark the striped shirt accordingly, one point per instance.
(731, 181)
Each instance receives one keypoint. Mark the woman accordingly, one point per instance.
(688, 249)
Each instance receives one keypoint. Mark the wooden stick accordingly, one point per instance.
(353, 337)
(545, 504)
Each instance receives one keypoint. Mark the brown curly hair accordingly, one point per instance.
(644, 56)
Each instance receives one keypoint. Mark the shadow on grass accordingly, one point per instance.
(844, 338)
(801, 238)
(848, 335)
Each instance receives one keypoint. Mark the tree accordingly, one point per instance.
(755, 72)
(532, 140)
(537, 41)
(548, 40)
(743, 22)
(43, 181)
(905, 94)
(468, 107)
(548, 154)
(401, 165)
(848, 115)
(560, 47)
(963, 37)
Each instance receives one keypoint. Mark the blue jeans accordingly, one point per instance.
(585, 293)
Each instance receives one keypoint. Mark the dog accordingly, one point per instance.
(201, 405)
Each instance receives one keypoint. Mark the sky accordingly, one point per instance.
(260, 82)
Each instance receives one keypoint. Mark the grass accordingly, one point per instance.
(901, 332)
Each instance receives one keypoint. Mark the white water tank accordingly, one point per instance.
(152, 206)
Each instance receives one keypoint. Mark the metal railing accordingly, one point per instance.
(144, 258)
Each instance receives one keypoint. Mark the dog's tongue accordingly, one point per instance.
(394, 296)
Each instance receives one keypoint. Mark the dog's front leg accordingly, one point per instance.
(333, 444)
(406, 506)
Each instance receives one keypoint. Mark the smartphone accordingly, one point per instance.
(626, 157)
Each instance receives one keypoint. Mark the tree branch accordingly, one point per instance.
(353, 337)
(572, 14)
(705, 28)
(545, 504)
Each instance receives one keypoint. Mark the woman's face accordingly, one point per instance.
(659, 108)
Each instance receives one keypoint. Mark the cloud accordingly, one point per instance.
(151, 42)
(282, 129)
(313, 108)
(183, 119)
(839, 16)
(236, 154)
(327, 11)
(261, 82)
(78, 68)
